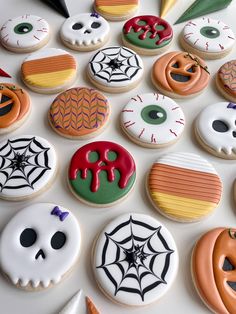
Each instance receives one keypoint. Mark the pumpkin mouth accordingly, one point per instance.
(5, 109)
(180, 77)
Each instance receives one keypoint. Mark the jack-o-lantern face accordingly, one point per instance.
(181, 73)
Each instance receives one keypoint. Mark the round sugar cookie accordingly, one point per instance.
(85, 32)
(226, 80)
(116, 10)
(39, 246)
(179, 74)
(28, 166)
(213, 269)
(152, 120)
(14, 107)
(49, 70)
(147, 34)
(215, 129)
(101, 173)
(207, 38)
(184, 187)
(135, 260)
(115, 69)
(79, 113)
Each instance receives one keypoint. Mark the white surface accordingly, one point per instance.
(182, 297)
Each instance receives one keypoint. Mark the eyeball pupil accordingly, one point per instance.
(154, 114)
(210, 32)
(23, 28)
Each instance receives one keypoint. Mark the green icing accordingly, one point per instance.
(154, 114)
(23, 28)
(210, 32)
(108, 192)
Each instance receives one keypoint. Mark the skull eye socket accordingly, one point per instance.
(112, 156)
(28, 237)
(175, 65)
(220, 126)
(96, 25)
(77, 26)
(58, 240)
(93, 156)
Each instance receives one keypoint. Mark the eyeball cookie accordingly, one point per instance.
(115, 69)
(101, 173)
(25, 33)
(39, 246)
(152, 120)
(208, 38)
(49, 71)
(14, 107)
(226, 80)
(215, 129)
(213, 269)
(79, 113)
(184, 187)
(135, 260)
(180, 74)
(28, 165)
(147, 34)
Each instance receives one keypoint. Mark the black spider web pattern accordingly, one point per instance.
(136, 258)
(23, 162)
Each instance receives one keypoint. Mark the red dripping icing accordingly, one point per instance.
(124, 163)
(151, 24)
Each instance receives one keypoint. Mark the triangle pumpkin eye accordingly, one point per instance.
(175, 65)
(228, 266)
(191, 70)
(232, 285)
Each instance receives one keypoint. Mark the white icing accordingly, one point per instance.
(46, 53)
(88, 34)
(39, 32)
(107, 240)
(37, 167)
(76, 305)
(130, 67)
(19, 262)
(219, 141)
(164, 133)
(187, 161)
(197, 40)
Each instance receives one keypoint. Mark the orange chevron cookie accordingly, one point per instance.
(49, 70)
(116, 10)
(184, 187)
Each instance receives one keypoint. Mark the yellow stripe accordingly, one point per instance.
(117, 9)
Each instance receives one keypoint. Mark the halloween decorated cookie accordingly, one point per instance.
(25, 33)
(28, 166)
(116, 10)
(14, 107)
(152, 120)
(180, 74)
(79, 113)
(226, 80)
(135, 260)
(215, 129)
(208, 38)
(85, 32)
(213, 269)
(147, 34)
(184, 187)
(101, 173)
(49, 70)
(39, 246)
(115, 69)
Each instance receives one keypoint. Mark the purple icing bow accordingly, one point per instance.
(231, 105)
(95, 14)
(57, 212)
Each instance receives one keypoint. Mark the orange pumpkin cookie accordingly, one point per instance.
(79, 113)
(180, 74)
(213, 270)
(14, 107)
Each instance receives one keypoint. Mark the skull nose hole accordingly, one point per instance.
(234, 133)
(88, 31)
(40, 253)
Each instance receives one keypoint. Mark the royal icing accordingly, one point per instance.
(38, 247)
(116, 67)
(148, 31)
(102, 172)
(208, 35)
(184, 186)
(116, 8)
(215, 126)
(79, 112)
(27, 165)
(49, 69)
(227, 77)
(213, 269)
(135, 260)
(85, 29)
(180, 73)
(24, 32)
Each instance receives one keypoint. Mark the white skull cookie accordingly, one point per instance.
(216, 129)
(39, 246)
(85, 32)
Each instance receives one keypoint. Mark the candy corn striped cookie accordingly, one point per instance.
(116, 10)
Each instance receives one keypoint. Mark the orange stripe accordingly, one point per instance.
(115, 2)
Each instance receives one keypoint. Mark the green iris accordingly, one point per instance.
(210, 32)
(23, 28)
(154, 114)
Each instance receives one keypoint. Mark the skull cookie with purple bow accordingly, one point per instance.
(39, 246)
